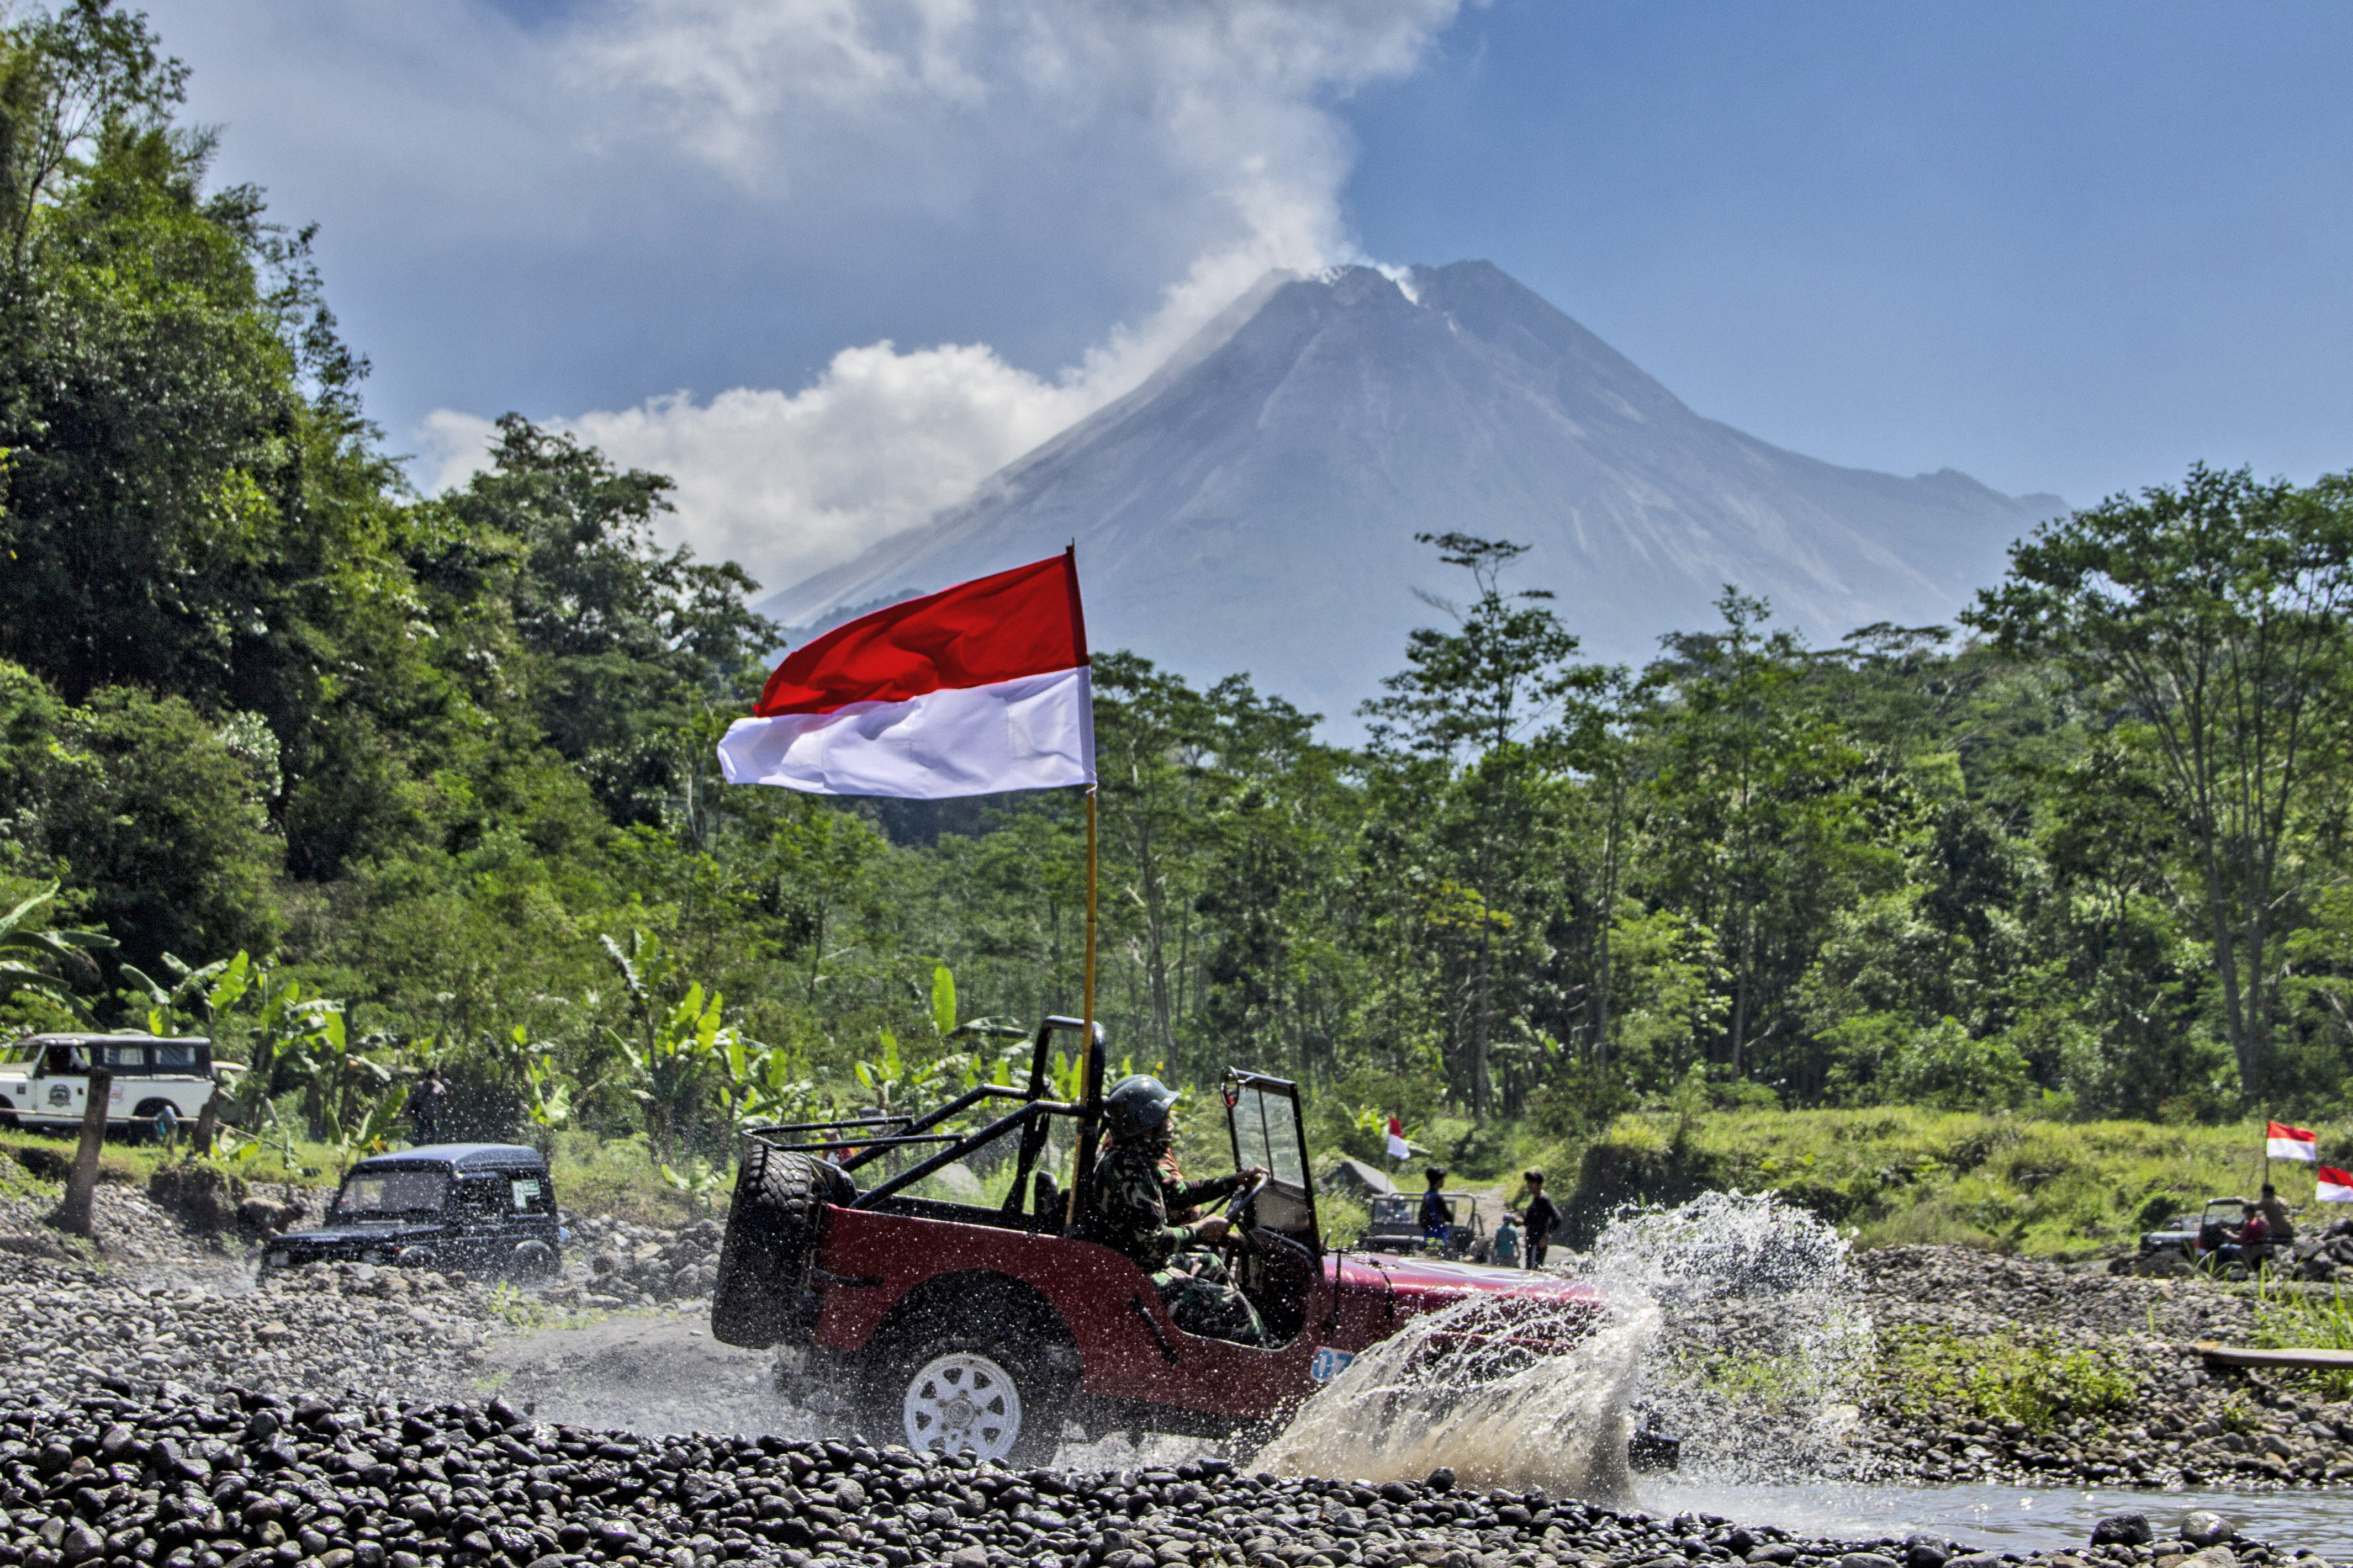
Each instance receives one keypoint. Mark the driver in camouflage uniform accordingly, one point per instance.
(1145, 1209)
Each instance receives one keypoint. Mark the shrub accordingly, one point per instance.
(2000, 1379)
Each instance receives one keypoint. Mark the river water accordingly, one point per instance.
(1777, 1279)
(2004, 1519)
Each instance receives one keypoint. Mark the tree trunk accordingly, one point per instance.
(2235, 1022)
(1479, 1090)
(1155, 938)
(74, 1214)
(1609, 913)
(1740, 992)
(208, 1119)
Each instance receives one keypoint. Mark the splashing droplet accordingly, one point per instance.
(1728, 1321)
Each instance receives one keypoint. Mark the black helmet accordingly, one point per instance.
(1137, 1107)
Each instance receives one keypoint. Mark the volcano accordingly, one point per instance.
(1252, 506)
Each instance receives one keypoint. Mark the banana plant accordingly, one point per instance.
(681, 1049)
(29, 954)
(199, 995)
(286, 1026)
(548, 1090)
(900, 1087)
(372, 1132)
(975, 1064)
(763, 1083)
(342, 1085)
(1069, 1083)
(701, 1181)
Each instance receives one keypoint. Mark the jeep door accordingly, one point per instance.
(1283, 1261)
(61, 1083)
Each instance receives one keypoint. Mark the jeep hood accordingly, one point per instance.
(1437, 1280)
(330, 1235)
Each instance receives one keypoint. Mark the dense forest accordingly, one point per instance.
(361, 780)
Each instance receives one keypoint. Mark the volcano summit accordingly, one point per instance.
(1252, 506)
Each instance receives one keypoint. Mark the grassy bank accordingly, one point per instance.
(1906, 1176)
(1893, 1176)
(592, 1175)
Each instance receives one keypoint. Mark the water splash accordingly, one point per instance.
(1522, 1417)
(1763, 1338)
(1730, 1322)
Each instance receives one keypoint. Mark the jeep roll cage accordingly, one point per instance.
(848, 1142)
(1031, 1202)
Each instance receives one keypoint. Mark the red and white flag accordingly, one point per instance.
(2336, 1187)
(1398, 1150)
(2281, 1141)
(978, 688)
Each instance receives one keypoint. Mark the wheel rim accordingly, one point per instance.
(962, 1400)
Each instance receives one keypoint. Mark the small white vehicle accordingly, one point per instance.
(45, 1079)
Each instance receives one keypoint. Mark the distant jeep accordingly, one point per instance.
(45, 1079)
(474, 1208)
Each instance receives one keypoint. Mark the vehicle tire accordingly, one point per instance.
(963, 1389)
(774, 1225)
(531, 1263)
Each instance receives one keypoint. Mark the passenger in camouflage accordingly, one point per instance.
(1145, 1209)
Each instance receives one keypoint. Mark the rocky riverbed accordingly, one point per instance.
(2129, 1400)
(133, 1476)
(333, 1403)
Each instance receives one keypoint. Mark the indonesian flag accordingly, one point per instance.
(2281, 1141)
(2336, 1187)
(976, 689)
(1398, 1150)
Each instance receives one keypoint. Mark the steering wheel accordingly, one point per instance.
(1239, 1233)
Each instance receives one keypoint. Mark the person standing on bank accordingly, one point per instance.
(1436, 1213)
(425, 1104)
(1540, 1219)
(2275, 1217)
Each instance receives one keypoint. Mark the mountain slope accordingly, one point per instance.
(1252, 506)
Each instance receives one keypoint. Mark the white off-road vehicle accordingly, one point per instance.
(45, 1079)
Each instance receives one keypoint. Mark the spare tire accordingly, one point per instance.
(774, 1225)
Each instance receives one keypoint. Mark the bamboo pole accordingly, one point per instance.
(1082, 1193)
(1088, 1013)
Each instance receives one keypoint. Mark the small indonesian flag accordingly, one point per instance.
(2336, 1187)
(1398, 1150)
(2281, 1141)
(978, 688)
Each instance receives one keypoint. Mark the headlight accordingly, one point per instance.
(277, 1259)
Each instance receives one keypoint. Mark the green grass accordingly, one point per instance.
(1902, 1175)
(2002, 1379)
(2289, 1317)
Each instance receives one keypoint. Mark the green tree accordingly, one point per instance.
(1459, 736)
(1763, 815)
(2215, 613)
(42, 959)
(629, 638)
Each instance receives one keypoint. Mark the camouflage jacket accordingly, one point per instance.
(1141, 1201)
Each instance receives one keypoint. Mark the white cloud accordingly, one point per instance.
(1215, 111)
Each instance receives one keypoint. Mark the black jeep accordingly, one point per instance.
(481, 1208)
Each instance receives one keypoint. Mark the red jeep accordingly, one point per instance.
(952, 1326)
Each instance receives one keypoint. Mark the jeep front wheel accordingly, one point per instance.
(954, 1394)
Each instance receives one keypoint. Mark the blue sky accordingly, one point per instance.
(2064, 247)
(831, 261)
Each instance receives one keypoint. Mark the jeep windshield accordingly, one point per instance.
(388, 1194)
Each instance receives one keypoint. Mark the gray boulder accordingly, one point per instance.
(2206, 1527)
(2122, 1530)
